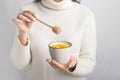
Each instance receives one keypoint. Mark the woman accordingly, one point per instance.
(30, 47)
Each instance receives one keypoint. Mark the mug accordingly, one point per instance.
(60, 51)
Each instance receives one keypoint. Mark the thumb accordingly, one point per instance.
(73, 61)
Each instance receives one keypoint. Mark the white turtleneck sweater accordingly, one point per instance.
(78, 27)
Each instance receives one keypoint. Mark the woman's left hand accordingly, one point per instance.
(64, 67)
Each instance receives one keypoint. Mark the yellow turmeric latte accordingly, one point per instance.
(59, 45)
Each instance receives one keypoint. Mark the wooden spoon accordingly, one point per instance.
(55, 29)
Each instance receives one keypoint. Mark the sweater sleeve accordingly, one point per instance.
(20, 54)
(87, 58)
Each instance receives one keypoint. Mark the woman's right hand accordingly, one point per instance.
(24, 22)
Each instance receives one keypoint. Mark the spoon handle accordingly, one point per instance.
(44, 23)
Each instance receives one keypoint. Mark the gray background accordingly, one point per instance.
(108, 46)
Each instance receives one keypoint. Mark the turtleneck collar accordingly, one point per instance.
(51, 4)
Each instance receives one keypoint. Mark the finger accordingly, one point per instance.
(69, 63)
(73, 62)
(29, 16)
(23, 18)
(15, 20)
(60, 66)
(30, 12)
(50, 62)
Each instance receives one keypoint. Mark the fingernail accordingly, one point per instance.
(34, 19)
(70, 66)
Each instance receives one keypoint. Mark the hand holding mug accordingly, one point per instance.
(70, 66)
